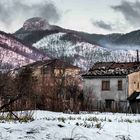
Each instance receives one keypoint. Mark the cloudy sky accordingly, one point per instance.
(93, 16)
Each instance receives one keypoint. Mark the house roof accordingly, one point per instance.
(112, 69)
(56, 63)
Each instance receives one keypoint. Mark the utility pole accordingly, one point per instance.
(137, 56)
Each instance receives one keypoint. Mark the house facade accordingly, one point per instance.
(134, 83)
(134, 91)
(108, 85)
(55, 84)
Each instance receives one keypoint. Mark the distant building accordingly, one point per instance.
(108, 85)
(55, 84)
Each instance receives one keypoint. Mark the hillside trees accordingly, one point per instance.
(25, 88)
(57, 89)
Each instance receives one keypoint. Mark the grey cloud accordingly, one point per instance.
(130, 11)
(103, 25)
(11, 10)
(49, 11)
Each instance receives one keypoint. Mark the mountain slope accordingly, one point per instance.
(79, 48)
(15, 52)
(79, 52)
(132, 38)
(33, 35)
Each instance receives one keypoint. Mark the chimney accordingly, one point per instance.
(137, 55)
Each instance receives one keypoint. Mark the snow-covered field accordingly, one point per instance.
(56, 126)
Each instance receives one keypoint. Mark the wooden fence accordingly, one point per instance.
(111, 106)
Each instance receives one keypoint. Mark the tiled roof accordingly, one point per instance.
(113, 69)
(56, 63)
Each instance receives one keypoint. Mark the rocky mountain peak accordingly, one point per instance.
(36, 23)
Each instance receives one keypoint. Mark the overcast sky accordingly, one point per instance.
(93, 16)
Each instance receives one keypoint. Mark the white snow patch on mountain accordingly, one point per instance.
(88, 53)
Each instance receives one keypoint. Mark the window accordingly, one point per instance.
(105, 85)
(34, 78)
(119, 84)
(45, 70)
(108, 103)
(138, 86)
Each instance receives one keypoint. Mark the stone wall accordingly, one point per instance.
(134, 82)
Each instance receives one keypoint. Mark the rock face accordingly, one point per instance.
(35, 24)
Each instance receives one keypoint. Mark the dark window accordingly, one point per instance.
(105, 85)
(45, 70)
(138, 86)
(119, 84)
(108, 103)
(34, 78)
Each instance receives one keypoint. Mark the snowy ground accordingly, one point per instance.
(56, 126)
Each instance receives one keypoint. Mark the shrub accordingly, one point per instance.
(98, 125)
(62, 119)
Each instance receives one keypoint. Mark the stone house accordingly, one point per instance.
(108, 85)
(134, 92)
(55, 83)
